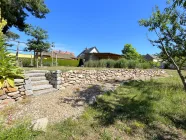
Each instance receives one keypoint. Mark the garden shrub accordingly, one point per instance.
(47, 62)
(110, 63)
(131, 64)
(121, 63)
(103, 63)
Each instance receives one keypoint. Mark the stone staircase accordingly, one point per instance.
(39, 83)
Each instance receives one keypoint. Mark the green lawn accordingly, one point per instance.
(62, 68)
(137, 110)
(154, 109)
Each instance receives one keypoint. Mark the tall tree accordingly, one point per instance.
(38, 43)
(169, 27)
(16, 11)
(129, 52)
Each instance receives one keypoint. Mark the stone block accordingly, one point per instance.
(13, 93)
(40, 124)
(28, 87)
(27, 82)
(22, 90)
(19, 80)
(2, 97)
(29, 92)
(57, 86)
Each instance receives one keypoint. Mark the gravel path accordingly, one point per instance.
(48, 105)
(54, 107)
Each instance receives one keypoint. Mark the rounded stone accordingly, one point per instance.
(2, 97)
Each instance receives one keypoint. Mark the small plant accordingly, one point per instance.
(8, 69)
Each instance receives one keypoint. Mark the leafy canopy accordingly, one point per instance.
(129, 52)
(38, 43)
(16, 11)
(169, 27)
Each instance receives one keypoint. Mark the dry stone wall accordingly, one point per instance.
(82, 77)
(18, 94)
(62, 80)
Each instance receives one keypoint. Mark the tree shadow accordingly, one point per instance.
(128, 108)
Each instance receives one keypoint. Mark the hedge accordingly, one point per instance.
(26, 62)
(121, 63)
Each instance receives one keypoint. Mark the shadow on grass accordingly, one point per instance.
(135, 100)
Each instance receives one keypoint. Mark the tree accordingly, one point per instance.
(179, 3)
(38, 43)
(16, 11)
(129, 52)
(169, 27)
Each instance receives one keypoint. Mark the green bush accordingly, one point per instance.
(103, 63)
(121, 63)
(26, 62)
(146, 65)
(111, 63)
(131, 64)
(48, 62)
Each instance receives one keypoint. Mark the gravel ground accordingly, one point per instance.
(47, 105)
(54, 107)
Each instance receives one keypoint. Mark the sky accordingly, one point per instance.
(107, 24)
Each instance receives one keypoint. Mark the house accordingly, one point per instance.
(94, 54)
(59, 54)
(150, 57)
(87, 51)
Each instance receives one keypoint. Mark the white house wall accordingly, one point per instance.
(93, 51)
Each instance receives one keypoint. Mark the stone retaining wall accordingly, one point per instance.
(11, 97)
(82, 77)
(62, 80)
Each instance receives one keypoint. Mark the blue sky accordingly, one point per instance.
(107, 24)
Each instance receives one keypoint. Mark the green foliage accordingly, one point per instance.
(110, 63)
(169, 27)
(102, 63)
(8, 68)
(132, 64)
(26, 62)
(19, 12)
(120, 63)
(38, 42)
(151, 109)
(130, 53)
(18, 132)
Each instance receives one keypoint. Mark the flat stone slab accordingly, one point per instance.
(40, 124)
(19, 80)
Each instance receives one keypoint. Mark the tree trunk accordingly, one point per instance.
(37, 60)
(182, 78)
(41, 59)
(34, 59)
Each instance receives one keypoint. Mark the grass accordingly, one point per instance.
(153, 109)
(141, 110)
(62, 68)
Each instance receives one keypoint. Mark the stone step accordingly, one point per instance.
(45, 91)
(41, 87)
(37, 71)
(41, 82)
(39, 78)
(34, 74)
